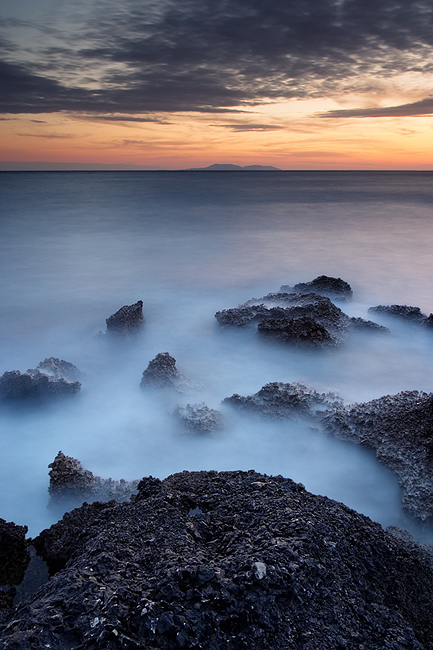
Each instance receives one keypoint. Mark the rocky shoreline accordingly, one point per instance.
(229, 559)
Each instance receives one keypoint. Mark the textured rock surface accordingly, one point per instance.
(325, 286)
(14, 559)
(411, 314)
(231, 560)
(35, 385)
(279, 400)
(162, 373)
(59, 369)
(400, 430)
(71, 484)
(304, 330)
(199, 418)
(128, 320)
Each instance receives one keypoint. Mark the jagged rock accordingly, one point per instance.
(304, 330)
(320, 322)
(324, 286)
(199, 418)
(400, 430)
(35, 385)
(279, 400)
(127, 321)
(232, 560)
(14, 558)
(405, 312)
(59, 369)
(162, 373)
(71, 484)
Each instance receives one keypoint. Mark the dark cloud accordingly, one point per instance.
(125, 118)
(214, 55)
(250, 127)
(421, 108)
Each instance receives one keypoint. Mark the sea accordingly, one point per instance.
(77, 246)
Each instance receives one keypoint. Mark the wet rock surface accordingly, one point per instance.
(162, 373)
(127, 321)
(404, 312)
(334, 288)
(14, 558)
(199, 418)
(232, 560)
(301, 318)
(52, 378)
(278, 400)
(71, 485)
(400, 430)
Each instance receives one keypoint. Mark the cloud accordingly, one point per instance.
(415, 109)
(125, 118)
(209, 55)
(250, 127)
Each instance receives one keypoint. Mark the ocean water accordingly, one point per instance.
(76, 246)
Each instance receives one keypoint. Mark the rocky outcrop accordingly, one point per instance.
(404, 312)
(301, 318)
(279, 400)
(52, 378)
(14, 558)
(127, 321)
(232, 560)
(71, 484)
(162, 373)
(199, 418)
(334, 288)
(400, 430)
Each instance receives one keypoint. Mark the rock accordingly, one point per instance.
(199, 418)
(405, 312)
(162, 373)
(324, 286)
(71, 484)
(14, 558)
(233, 560)
(279, 400)
(400, 430)
(59, 369)
(35, 385)
(301, 318)
(127, 321)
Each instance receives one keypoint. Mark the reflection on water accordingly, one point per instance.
(74, 247)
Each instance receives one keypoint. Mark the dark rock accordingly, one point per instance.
(323, 285)
(35, 385)
(14, 558)
(304, 330)
(59, 369)
(405, 312)
(199, 418)
(127, 321)
(266, 566)
(162, 373)
(400, 430)
(71, 484)
(280, 400)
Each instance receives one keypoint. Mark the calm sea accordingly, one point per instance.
(76, 246)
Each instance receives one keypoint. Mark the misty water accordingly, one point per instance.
(76, 246)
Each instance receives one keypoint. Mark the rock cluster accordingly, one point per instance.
(52, 378)
(334, 288)
(127, 321)
(232, 560)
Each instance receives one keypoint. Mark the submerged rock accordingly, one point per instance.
(162, 373)
(59, 369)
(199, 418)
(127, 321)
(233, 560)
(279, 400)
(35, 385)
(400, 430)
(71, 484)
(405, 312)
(323, 285)
(14, 558)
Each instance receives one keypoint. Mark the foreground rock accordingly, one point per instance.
(404, 312)
(232, 560)
(71, 485)
(14, 559)
(52, 378)
(162, 373)
(127, 321)
(334, 288)
(279, 400)
(302, 318)
(199, 418)
(400, 430)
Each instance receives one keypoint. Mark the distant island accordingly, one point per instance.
(220, 167)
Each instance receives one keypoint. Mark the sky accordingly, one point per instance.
(175, 84)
